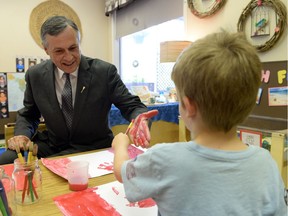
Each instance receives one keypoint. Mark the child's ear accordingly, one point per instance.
(190, 107)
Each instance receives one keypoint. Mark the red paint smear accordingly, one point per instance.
(106, 166)
(132, 151)
(115, 190)
(78, 187)
(147, 203)
(58, 166)
(86, 202)
(8, 169)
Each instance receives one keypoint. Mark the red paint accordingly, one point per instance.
(78, 187)
(115, 190)
(132, 151)
(57, 166)
(106, 166)
(147, 203)
(86, 202)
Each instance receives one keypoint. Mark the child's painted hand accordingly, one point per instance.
(139, 132)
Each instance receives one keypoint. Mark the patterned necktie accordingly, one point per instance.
(67, 107)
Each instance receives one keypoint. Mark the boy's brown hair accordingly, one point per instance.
(221, 73)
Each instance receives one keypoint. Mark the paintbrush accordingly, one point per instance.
(30, 154)
(21, 159)
(35, 151)
(129, 126)
(25, 151)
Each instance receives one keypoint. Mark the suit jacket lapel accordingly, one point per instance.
(83, 83)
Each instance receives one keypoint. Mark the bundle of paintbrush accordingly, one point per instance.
(30, 152)
(27, 174)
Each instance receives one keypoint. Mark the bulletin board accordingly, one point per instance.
(271, 110)
(278, 74)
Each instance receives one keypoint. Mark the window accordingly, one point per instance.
(140, 54)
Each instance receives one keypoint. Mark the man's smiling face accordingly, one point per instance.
(64, 50)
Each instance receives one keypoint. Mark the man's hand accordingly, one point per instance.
(139, 132)
(20, 141)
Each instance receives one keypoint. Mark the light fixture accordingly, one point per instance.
(170, 50)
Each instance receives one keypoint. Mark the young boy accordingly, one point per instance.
(217, 80)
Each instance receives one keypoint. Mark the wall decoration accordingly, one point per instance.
(260, 22)
(20, 64)
(277, 96)
(251, 137)
(257, 10)
(3, 97)
(3, 81)
(47, 9)
(32, 62)
(205, 8)
(258, 99)
(4, 112)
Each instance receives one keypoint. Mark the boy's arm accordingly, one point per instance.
(120, 145)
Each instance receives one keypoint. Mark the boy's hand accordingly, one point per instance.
(139, 132)
(120, 139)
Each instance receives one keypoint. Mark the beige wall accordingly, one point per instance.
(16, 40)
(227, 18)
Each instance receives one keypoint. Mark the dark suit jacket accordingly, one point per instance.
(90, 127)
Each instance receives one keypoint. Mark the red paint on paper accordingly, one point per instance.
(57, 166)
(106, 166)
(86, 202)
(132, 151)
(147, 203)
(78, 187)
(115, 190)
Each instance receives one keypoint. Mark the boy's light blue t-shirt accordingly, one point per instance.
(189, 179)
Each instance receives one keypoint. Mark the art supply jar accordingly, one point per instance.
(28, 181)
(7, 195)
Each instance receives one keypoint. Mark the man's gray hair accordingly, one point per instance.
(55, 25)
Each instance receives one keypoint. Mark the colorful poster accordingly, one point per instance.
(277, 96)
(16, 87)
(4, 110)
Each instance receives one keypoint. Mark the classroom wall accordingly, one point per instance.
(275, 59)
(16, 40)
(227, 18)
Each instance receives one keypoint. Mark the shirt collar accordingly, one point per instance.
(60, 73)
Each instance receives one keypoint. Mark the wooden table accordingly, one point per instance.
(52, 186)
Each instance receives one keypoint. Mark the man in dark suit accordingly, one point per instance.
(95, 84)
